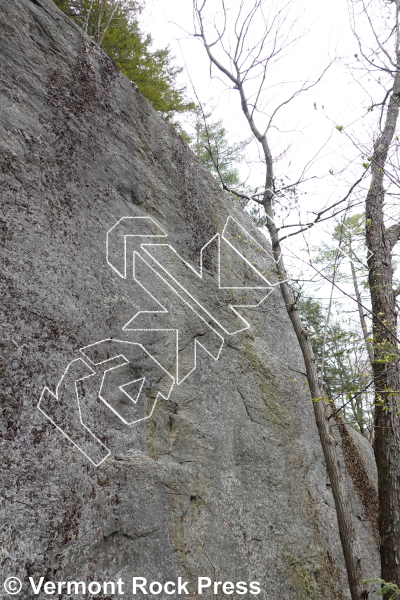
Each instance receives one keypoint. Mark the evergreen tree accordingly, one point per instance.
(211, 145)
(341, 350)
(212, 148)
(114, 25)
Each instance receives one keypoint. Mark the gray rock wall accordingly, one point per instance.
(226, 479)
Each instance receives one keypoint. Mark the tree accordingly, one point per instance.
(211, 146)
(384, 58)
(113, 24)
(344, 261)
(379, 55)
(350, 232)
(336, 345)
(241, 61)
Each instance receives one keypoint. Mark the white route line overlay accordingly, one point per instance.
(79, 409)
(130, 382)
(145, 221)
(264, 250)
(200, 276)
(141, 221)
(164, 311)
(217, 236)
(224, 235)
(93, 372)
(369, 252)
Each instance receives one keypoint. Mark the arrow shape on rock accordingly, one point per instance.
(175, 315)
(136, 364)
(64, 411)
(203, 289)
(116, 244)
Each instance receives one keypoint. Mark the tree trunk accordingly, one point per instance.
(380, 242)
(337, 479)
(363, 322)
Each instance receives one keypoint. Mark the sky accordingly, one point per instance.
(326, 35)
(306, 131)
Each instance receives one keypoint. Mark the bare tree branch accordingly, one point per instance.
(319, 218)
(393, 234)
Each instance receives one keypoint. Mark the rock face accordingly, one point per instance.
(226, 478)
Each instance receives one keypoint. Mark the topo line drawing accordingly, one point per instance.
(211, 341)
(133, 378)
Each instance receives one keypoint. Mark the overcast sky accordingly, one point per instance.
(311, 133)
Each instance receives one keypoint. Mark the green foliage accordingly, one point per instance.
(211, 145)
(350, 235)
(212, 148)
(386, 588)
(258, 215)
(352, 227)
(344, 372)
(114, 25)
(339, 345)
(347, 371)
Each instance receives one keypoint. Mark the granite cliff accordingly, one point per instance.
(225, 479)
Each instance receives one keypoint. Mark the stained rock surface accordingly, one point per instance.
(225, 479)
